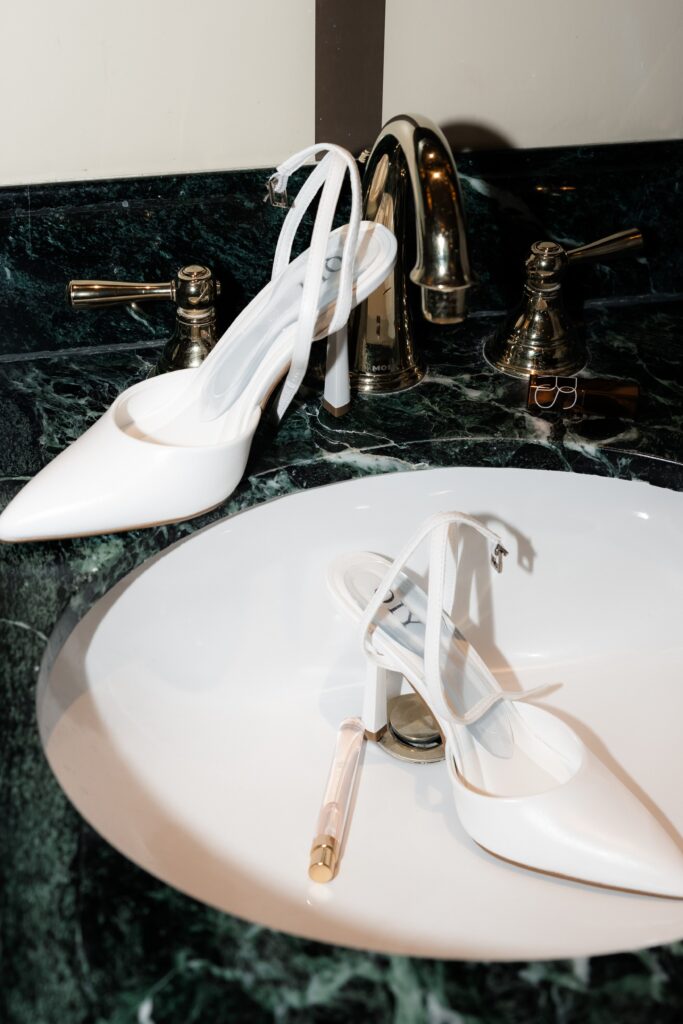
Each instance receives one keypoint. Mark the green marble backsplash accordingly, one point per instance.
(140, 229)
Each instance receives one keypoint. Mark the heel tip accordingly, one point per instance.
(375, 737)
(336, 410)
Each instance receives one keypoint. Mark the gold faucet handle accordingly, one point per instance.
(612, 245)
(547, 260)
(541, 340)
(91, 294)
(194, 289)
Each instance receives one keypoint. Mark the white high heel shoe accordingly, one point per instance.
(174, 446)
(526, 788)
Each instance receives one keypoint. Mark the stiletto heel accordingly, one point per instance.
(337, 394)
(525, 786)
(174, 446)
(381, 684)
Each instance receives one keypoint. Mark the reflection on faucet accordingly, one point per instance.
(411, 186)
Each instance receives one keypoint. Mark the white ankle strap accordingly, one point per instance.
(439, 519)
(329, 175)
(308, 191)
(215, 378)
(437, 526)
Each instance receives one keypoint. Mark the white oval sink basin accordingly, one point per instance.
(191, 715)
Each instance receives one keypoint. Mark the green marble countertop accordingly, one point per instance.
(87, 936)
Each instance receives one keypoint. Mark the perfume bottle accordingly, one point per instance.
(334, 812)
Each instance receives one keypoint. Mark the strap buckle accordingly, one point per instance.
(277, 197)
(497, 556)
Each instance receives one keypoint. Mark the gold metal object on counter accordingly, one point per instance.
(411, 186)
(194, 290)
(541, 339)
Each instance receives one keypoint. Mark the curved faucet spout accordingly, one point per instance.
(442, 261)
(411, 186)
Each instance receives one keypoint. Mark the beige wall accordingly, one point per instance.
(100, 88)
(539, 72)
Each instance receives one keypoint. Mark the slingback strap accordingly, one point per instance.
(214, 378)
(437, 526)
(328, 175)
(498, 696)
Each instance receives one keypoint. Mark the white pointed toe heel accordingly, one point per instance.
(174, 446)
(525, 786)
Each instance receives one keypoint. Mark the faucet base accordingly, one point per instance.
(189, 346)
(518, 356)
(380, 383)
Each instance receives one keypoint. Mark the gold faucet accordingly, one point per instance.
(411, 186)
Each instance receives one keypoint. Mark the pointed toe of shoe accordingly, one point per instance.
(20, 520)
(65, 498)
(591, 828)
(112, 478)
(670, 878)
(618, 841)
(656, 866)
(56, 504)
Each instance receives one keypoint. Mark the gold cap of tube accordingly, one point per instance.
(323, 862)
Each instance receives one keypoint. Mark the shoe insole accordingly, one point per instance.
(249, 359)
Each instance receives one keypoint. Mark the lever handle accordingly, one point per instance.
(90, 294)
(194, 290)
(612, 245)
(541, 340)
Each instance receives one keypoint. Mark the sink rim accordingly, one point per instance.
(54, 639)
